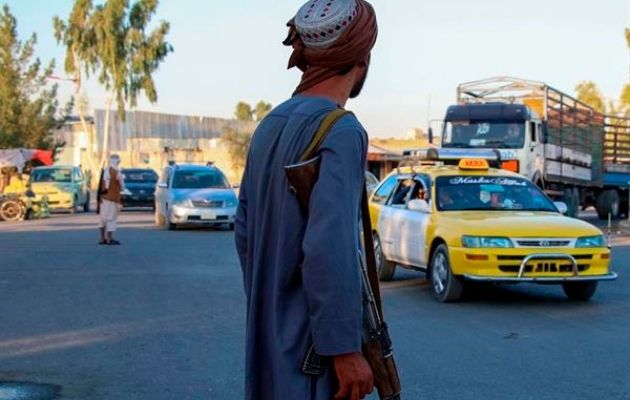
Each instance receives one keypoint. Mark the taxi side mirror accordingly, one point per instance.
(561, 206)
(419, 205)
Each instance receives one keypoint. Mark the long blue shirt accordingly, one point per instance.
(301, 273)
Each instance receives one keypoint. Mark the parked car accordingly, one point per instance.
(140, 185)
(194, 195)
(65, 188)
(468, 222)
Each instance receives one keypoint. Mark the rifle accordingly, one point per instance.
(377, 346)
(100, 192)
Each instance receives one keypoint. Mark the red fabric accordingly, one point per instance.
(44, 156)
(353, 47)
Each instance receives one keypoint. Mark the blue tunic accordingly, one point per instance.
(289, 307)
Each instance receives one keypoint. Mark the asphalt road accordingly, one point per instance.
(162, 316)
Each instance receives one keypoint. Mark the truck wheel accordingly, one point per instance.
(608, 203)
(579, 291)
(572, 200)
(384, 267)
(446, 286)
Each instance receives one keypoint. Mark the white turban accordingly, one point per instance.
(114, 162)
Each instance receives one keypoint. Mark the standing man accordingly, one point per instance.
(109, 200)
(301, 272)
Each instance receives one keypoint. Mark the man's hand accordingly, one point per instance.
(354, 376)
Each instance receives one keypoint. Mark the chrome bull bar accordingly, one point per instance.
(575, 276)
(557, 256)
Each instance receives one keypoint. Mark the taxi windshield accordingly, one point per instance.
(488, 193)
(484, 134)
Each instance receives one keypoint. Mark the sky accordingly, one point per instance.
(228, 51)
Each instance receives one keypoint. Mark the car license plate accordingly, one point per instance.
(208, 215)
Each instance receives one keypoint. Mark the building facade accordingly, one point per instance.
(149, 140)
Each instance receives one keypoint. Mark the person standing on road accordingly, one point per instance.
(109, 200)
(301, 272)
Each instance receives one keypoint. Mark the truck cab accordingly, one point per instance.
(515, 130)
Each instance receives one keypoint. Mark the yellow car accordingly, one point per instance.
(469, 222)
(65, 187)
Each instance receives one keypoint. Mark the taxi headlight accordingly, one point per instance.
(231, 203)
(486, 242)
(185, 203)
(591, 241)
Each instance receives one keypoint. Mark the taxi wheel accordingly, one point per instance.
(579, 291)
(446, 286)
(384, 267)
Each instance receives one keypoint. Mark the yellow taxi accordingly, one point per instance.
(469, 222)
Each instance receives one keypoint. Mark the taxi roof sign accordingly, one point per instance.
(473, 164)
(452, 154)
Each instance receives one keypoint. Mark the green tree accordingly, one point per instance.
(29, 109)
(589, 93)
(243, 112)
(237, 143)
(262, 109)
(113, 41)
(79, 38)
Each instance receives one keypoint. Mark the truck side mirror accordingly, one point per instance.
(543, 133)
(430, 135)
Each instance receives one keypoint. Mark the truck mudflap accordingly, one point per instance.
(575, 277)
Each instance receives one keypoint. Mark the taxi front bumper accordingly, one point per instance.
(532, 265)
(611, 276)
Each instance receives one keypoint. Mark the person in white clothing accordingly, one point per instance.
(109, 200)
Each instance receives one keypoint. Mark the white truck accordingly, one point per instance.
(567, 148)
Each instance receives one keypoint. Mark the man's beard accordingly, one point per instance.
(358, 86)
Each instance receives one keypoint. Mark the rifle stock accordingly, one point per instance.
(302, 178)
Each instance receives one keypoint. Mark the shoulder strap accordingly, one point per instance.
(368, 240)
(370, 258)
(323, 130)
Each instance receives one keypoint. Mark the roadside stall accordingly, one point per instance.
(15, 196)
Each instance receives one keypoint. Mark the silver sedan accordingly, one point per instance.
(194, 195)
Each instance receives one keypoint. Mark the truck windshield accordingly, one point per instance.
(490, 193)
(484, 134)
